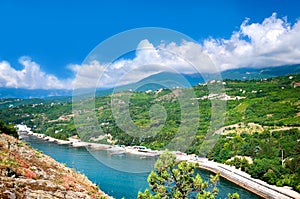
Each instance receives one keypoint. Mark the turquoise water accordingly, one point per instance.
(114, 182)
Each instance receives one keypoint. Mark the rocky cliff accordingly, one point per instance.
(27, 173)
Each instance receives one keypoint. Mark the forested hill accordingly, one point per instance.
(262, 123)
(272, 102)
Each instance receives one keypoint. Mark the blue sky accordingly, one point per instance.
(56, 34)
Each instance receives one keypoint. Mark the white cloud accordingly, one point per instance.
(273, 42)
(87, 75)
(149, 60)
(30, 77)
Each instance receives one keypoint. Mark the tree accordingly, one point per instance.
(233, 196)
(173, 179)
(8, 129)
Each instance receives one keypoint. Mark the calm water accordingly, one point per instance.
(112, 181)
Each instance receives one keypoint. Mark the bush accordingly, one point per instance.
(8, 129)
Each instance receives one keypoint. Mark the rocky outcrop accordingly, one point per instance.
(27, 173)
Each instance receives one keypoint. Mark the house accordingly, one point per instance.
(296, 84)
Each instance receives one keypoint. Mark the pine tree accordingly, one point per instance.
(173, 179)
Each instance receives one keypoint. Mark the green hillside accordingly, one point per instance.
(261, 122)
(273, 102)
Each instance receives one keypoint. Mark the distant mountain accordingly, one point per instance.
(260, 73)
(173, 80)
(33, 93)
(161, 80)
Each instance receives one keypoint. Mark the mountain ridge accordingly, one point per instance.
(159, 80)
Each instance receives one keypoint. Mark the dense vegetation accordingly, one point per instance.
(8, 129)
(276, 155)
(172, 179)
(272, 106)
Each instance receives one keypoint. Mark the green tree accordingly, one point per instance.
(233, 196)
(8, 129)
(173, 179)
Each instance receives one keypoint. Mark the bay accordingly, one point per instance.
(118, 183)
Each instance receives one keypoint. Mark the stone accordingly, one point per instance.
(10, 195)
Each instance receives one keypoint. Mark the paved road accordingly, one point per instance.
(246, 181)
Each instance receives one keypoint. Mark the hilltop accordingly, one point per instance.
(152, 82)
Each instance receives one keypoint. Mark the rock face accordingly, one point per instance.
(27, 173)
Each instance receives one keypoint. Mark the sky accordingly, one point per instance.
(43, 44)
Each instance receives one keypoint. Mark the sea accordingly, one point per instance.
(119, 175)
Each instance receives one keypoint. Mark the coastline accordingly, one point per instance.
(24, 130)
(244, 180)
(230, 173)
(36, 175)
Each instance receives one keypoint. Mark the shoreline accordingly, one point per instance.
(230, 173)
(244, 180)
(37, 175)
(24, 130)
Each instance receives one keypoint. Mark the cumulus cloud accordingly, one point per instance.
(273, 42)
(30, 77)
(148, 60)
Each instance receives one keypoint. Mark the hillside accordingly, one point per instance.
(27, 173)
(258, 130)
(271, 103)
